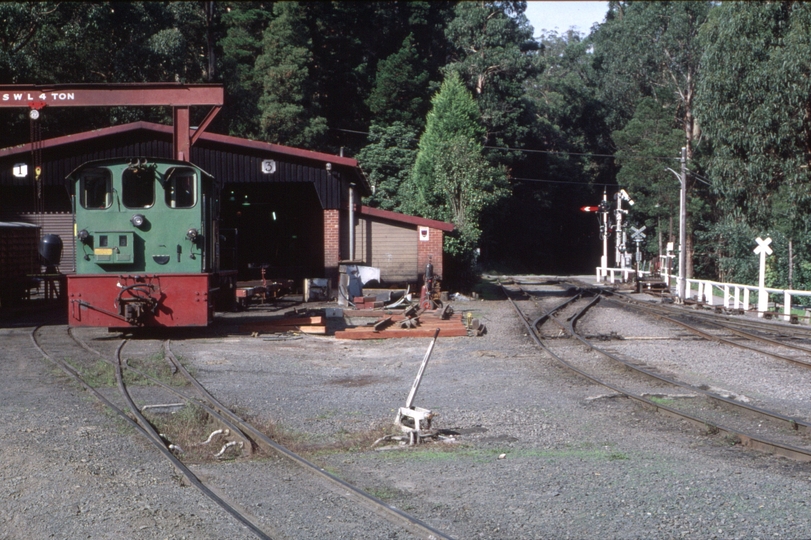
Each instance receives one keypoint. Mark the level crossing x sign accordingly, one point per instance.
(763, 246)
(637, 234)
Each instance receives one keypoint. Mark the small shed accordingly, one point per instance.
(399, 245)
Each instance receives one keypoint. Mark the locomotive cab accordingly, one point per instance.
(146, 234)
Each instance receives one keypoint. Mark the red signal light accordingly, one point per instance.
(589, 208)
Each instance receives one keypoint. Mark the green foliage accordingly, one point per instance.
(387, 161)
(650, 133)
(567, 116)
(565, 121)
(492, 42)
(20, 23)
(732, 256)
(754, 96)
(320, 75)
(288, 108)
(399, 87)
(650, 49)
(244, 25)
(451, 180)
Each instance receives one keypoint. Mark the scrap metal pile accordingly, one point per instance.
(410, 322)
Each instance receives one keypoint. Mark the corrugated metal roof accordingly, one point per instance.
(405, 218)
(229, 159)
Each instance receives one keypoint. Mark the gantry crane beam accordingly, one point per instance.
(178, 96)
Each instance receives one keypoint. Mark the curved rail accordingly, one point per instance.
(373, 503)
(666, 317)
(143, 426)
(746, 439)
(251, 436)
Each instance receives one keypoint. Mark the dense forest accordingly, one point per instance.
(456, 112)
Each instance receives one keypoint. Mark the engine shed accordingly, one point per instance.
(285, 210)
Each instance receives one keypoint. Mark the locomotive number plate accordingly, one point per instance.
(103, 251)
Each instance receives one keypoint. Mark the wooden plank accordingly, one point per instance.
(275, 326)
(319, 330)
(426, 332)
(315, 329)
(443, 325)
(376, 313)
(294, 321)
(298, 321)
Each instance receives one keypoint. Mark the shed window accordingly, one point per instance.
(95, 188)
(180, 188)
(138, 187)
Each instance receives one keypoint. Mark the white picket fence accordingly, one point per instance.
(730, 295)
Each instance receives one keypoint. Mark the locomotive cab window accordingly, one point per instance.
(180, 188)
(95, 188)
(138, 187)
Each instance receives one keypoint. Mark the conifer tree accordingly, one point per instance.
(401, 80)
(289, 110)
(451, 180)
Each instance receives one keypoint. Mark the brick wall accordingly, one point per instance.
(431, 248)
(332, 244)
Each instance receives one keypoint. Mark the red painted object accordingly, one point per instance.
(140, 300)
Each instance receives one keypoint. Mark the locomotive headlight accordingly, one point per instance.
(83, 236)
(138, 220)
(192, 234)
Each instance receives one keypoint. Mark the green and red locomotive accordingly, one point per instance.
(147, 245)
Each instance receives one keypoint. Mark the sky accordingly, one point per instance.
(561, 16)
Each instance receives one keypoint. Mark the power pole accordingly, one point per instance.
(683, 226)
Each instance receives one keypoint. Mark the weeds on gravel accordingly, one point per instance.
(341, 442)
(98, 374)
(710, 429)
(188, 428)
(667, 402)
(156, 366)
(423, 454)
(732, 440)
(385, 494)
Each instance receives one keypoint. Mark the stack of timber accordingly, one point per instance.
(302, 324)
(404, 325)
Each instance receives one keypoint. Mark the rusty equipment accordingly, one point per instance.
(416, 421)
(430, 293)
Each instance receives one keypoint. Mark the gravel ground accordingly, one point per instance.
(534, 458)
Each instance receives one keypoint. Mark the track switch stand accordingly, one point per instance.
(416, 421)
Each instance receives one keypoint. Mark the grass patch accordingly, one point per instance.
(155, 366)
(667, 402)
(341, 442)
(98, 374)
(432, 453)
(187, 428)
(385, 494)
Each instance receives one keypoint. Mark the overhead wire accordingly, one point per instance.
(585, 184)
(584, 154)
(549, 152)
(562, 153)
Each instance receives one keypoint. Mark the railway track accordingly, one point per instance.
(712, 410)
(784, 342)
(83, 363)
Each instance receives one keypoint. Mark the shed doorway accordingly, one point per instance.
(280, 226)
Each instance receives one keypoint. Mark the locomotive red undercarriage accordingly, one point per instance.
(138, 300)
